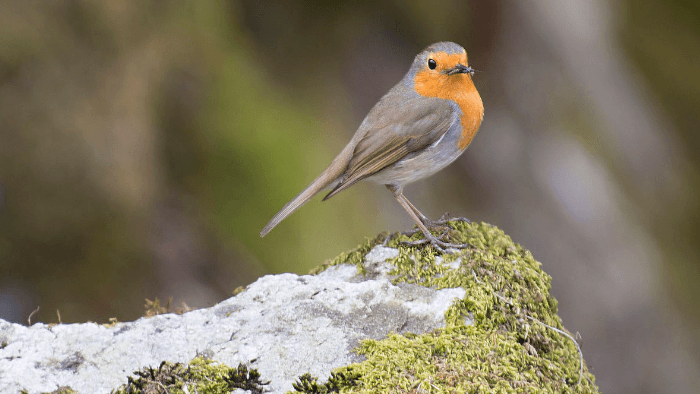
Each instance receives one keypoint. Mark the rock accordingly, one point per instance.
(381, 317)
(282, 325)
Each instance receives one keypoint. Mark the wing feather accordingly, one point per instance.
(408, 128)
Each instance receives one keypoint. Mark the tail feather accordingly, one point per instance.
(302, 198)
(325, 180)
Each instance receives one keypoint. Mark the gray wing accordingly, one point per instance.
(396, 128)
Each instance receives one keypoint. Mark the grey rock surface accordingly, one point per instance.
(287, 324)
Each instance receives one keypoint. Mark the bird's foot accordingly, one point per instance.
(441, 246)
(438, 242)
(445, 219)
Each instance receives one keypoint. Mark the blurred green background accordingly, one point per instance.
(143, 145)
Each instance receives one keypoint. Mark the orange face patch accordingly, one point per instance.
(457, 87)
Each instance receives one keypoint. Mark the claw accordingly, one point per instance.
(440, 246)
(445, 219)
(411, 232)
(422, 241)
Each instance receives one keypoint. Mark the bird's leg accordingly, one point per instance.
(416, 216)
(423, 218)
(427, 222)
(444, 219)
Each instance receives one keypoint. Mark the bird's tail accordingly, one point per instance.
(326, 179)
(302, 198)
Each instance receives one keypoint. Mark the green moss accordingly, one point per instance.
(199, 376)
(495, 339)
(64, 390)
(355, 256)
(60, 390)
(336, 382)
(154, 308)
(112, 321)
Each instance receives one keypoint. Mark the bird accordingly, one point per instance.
(421, 125)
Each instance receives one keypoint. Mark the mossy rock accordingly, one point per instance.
(503, 337)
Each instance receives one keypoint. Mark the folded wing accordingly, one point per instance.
(408, 127)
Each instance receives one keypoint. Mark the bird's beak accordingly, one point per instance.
(460, 69)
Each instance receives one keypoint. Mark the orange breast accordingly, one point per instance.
(458, 88)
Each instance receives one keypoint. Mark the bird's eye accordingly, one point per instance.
(432, 64)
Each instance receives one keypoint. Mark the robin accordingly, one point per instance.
(419, 127)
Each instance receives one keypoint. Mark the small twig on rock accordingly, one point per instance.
(29, 319)
(580, 353)
(476, 278)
